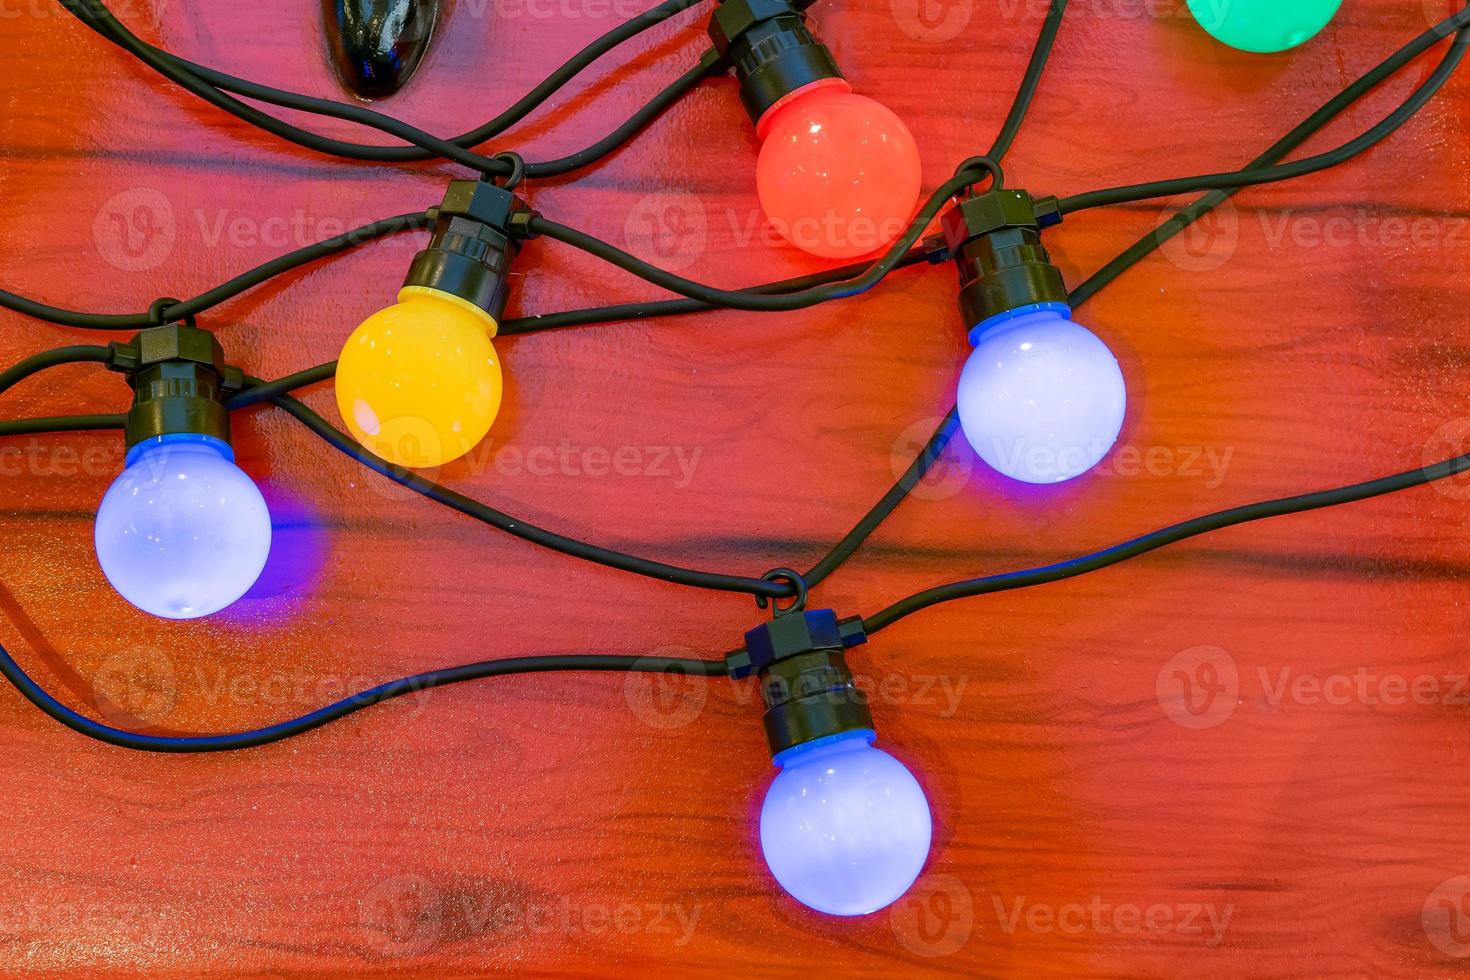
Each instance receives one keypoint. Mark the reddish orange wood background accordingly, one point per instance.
(578, 824)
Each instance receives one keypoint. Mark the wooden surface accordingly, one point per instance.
(581, 824)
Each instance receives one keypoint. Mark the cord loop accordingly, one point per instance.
(997, 175)
(158, 312)
(795, 580)
(517, 169)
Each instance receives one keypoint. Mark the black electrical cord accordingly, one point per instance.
(972, 171)
(389, 226)
(677, 307)
(807, 287)
(934, 448)
(853, 280)
(1297, 168)
(631, 127)
(1030, 81)
(854, 539)
(674, 307)
(141, 742)
(801, 299)
(270, 390)
(1291, 141)
(211, 85)
(1154, 540)
(80, 354)
(515, 113)
(517, 326)
(101, 18)
(791, 294)
(225, 291)
(768, 589)
(275, 392)
(384, 692)
(1145, 246)
(1098, 281)
(61, 423)
(898, 610)
(524, 530)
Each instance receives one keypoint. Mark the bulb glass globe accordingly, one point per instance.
(419, 383)
(845, 828)
(1041, 398)
(182, 532)
(838, 174)
(1264, 26)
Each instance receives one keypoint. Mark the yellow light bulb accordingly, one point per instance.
(419, 382)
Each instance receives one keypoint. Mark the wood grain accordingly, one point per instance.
(580, 825)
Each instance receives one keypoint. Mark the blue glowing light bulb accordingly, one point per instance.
(182, 532)
(1041, 399)
(845, 827)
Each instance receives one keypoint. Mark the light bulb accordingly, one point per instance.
(419, 383)
(1264, 26)
(838, 174)
(182, 532)
(1041, 398)
(845, 828)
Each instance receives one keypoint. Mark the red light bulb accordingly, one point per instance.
(838, 174)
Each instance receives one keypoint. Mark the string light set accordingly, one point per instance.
(845, 828)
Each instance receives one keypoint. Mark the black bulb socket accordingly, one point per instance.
(771, 50)
(180, 383)
(807, 688)
(478, 229)
(995, 239)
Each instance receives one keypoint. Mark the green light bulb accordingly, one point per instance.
(1263, 26)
